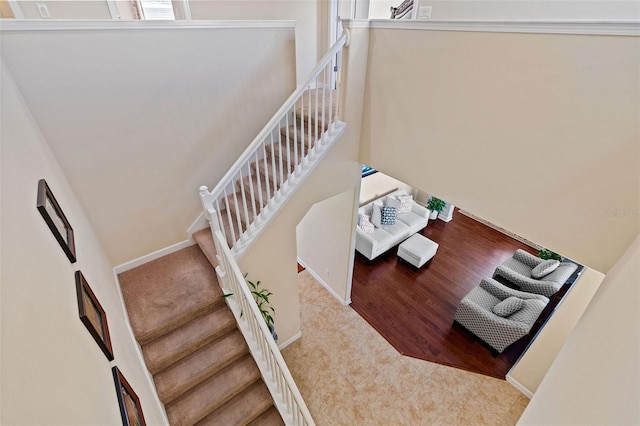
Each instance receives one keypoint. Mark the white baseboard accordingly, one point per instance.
(287, 342)
(152, 256)
(198, 224)
(518, 386)
(325, 285)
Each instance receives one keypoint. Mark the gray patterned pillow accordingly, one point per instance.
(388, 216)
(508, 306)
(544, 268)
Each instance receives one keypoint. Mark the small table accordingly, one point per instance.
(417, 250)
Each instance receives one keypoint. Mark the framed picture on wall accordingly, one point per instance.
(50, 210)
(130, 408)
(93, 316)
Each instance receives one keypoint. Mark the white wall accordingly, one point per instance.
(524, 130)
(139, 117)
(324, 242)
(308, 15)
(52, 370)
(594, 380)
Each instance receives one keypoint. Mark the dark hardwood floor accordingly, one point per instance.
(414, 309)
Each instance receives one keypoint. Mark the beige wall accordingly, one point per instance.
(52, 371)
(533, 9)
(537, 133)
(308, 15)
(594, 380)
(138, 128)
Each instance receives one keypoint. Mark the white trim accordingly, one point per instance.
(138, 350)
(325, 285)
(289, 341)
(526, 392)
(153, 256)
(15, 8)
(198, 224)
(113, 10)
(88, 25)
(186, 10)
(356, 23)
(586, 27)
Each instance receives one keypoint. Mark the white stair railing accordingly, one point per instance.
(248, 196)
(276, 159)
(274, 370)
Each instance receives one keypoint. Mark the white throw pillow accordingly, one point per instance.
(366, 226)
(406, 202)
(508, 306)
(544, 268)
(376, 216)
(390, 201)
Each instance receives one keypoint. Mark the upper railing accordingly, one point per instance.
(270, 165)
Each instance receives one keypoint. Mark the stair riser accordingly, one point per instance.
(213, 355)
(179, 322)
(213, 393)
(186, 351)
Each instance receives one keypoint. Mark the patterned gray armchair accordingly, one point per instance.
(517, 311)
(517, 270)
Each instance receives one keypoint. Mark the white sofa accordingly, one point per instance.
(385, 237)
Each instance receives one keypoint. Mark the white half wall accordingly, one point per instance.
(537, 133)
(594, 379)
(52, 370)
(140, 115)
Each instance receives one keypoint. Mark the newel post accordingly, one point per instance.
(211, 215)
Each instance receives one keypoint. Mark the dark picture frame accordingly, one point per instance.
(93, 316)
(52, 214)
(130, 407)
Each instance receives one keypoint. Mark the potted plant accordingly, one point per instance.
(547, 254)
(435, 205)
(261, 296)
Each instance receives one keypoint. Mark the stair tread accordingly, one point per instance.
(150, 292)
(214, 392)
(192, 370)
(177, 344)
(270, 417)
(242, 409)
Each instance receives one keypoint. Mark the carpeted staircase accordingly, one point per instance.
(200, 362)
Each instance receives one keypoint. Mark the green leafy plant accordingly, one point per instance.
(261, 296)
(435, 204)
(547, 254)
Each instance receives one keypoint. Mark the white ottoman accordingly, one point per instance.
(417, 250)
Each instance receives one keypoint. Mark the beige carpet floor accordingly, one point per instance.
(349, 375)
